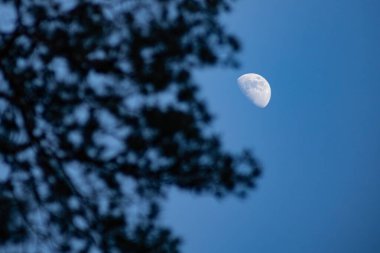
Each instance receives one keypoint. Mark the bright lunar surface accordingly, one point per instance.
(256, 88)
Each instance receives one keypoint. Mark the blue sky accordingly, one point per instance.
(318, 139)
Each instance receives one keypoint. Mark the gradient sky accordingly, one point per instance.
(318, 140)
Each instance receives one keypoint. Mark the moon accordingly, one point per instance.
(256, 88)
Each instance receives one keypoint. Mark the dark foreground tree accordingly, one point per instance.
(100, 117)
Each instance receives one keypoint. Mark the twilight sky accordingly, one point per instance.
(318, 139)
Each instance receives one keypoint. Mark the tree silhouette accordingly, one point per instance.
(100, 117)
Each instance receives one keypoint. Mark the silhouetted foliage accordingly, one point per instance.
(100, 117)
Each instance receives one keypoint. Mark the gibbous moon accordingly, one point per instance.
(256, 88)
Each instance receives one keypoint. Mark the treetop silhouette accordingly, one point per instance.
(100, 117)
